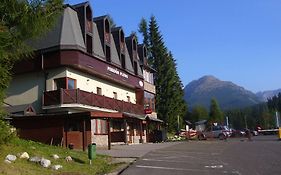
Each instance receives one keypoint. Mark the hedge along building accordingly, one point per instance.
(84, 84)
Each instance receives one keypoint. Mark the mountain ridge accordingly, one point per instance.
(228, 94)
(264, 95)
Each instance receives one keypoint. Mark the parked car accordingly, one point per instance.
(254, 133)
(237, 133)
(219, 131)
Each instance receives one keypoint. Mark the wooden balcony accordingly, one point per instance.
(77, 96)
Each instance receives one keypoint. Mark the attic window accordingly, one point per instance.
(123, 63)
(107, 32)
(122, 37)
(107, 26)
(89, 44)
(89, 24)
(108, 54)
(134, 45)
(135, 67)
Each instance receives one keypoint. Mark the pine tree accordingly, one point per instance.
(216, 115)
(21, 20)
(199, 113)
(169, 90)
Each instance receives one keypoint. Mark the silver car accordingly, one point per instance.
(218, 131)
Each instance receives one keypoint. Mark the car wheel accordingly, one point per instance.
(222, 137)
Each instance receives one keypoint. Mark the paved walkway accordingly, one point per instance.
(134, 151)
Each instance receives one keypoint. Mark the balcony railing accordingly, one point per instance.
(77, 96)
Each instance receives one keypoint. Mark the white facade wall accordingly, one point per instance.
(90, 83)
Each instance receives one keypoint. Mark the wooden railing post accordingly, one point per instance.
(103, 105)
(61, 95)
(92, 100)
(77, 96)
(122, 110)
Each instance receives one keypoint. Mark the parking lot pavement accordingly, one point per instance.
(134, 151)
(235, 156)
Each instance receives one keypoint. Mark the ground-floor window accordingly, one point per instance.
(100, 126)
(117, 125)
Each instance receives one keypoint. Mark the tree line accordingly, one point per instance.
(199, 112)
(262, 115)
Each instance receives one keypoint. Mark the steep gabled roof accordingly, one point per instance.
(114, 54)
(66, 34)
(97, 47)
(139, 68)
(100, 18)
(129, 65)
(82, 4)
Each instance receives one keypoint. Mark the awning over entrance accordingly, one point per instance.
(101, 114)
(135, 116)
(153, 119)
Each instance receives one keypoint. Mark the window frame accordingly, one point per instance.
(66, 80)
(99, 91)
(103, 127)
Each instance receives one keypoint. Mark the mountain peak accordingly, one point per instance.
(228, 94)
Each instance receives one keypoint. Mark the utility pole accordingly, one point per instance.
(227, 123)
(277, 119)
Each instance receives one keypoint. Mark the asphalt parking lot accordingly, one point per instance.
(239, 156)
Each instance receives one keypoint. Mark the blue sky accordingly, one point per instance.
(234, 40)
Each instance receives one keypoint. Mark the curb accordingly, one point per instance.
(122, 168)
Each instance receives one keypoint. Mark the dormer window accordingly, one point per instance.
(134, 45)
(122, 41)
(89, 44)
(107, 31)
(89, 23)
(136, 67)
(123, 62)
(107, 53)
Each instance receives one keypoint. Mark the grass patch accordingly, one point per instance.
(79, 165)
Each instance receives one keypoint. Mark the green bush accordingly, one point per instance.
(6, 132)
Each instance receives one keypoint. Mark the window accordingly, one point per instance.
(149, 101)
(60, 83)
(148, 77)
(65, 83)
(74, 126)
(107, 54)
(89, 44)
(117, 126)
(101, 126)
(123, 63)
(134, 45)
(115, 95)
(99, 92)
(128, 99)
(70, 83)
(136, 67)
